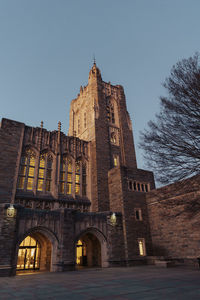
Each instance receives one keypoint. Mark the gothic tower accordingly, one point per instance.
(99, 115)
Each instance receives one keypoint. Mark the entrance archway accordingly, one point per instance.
(29, 254)
(91, 250)
(34, 253)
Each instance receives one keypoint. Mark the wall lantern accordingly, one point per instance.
(113, 219)
(10, 211)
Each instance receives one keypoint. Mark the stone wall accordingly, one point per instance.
(11, 139)
(174, 214)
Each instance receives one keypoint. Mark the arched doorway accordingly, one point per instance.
(88, 251)
(29, 254)
(34, 253)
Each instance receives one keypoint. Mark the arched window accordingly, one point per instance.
(110, 112)
(66, 176)
(27, 171)
(113, 138)
(45, 173)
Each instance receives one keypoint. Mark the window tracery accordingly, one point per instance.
(110, 112)
(44, 173)
(27, 171)
(66, 176)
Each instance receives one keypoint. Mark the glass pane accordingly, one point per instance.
(69, 177)
(42, 162)
(77, 189)
(40, 184)
(49, 164)
(23, 170)
(30, 184)
(23, 160)
(31, 171)
(32, 161)
(21, 182)
(32, 242)
(77, 167)
(62, 176)
(41, 173)
(37, 258)
(69, 166)
(62, 187)
(62, 166)
(48, 185)
(20, 260)
(26, 241)
(48, 174)
(69, 188)
(77, 178)
(84, 190)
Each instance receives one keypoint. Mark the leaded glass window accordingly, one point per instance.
(110, 112)
(77, 178)
(66, 176)
(45, 173)
(84, 180)
(27, 171)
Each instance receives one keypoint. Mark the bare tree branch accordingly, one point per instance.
(172, 143)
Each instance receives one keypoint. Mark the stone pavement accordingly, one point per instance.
(144, 282)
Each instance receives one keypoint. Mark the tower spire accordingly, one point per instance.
(94, 59)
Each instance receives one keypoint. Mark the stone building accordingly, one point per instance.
(79, 200)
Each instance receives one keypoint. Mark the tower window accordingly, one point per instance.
(142, 248)
(115, 160)
(78, 126)
(130, 185)
(27, 171)
(138, 214)
(85, 120)
(110, 112)
(113, 138)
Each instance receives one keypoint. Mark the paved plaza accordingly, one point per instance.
(145, 282)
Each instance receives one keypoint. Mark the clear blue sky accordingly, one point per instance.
(47, 46)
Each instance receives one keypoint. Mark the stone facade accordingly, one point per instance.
(174, 214)
(79, 199)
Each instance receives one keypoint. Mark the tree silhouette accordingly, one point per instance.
(172, 142)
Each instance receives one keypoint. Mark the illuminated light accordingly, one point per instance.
(11, 211)
(113, 219)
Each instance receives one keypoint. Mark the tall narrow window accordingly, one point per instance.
(44, 173)
(110, 112)
(113, 138)
(142, 248)
(69, 177)
(66, 177)
(84, 180)
(115, 160)
(85, 120)
(77, 178)
(138, 214)
(27, 171)
(78, 126)
(49, 174)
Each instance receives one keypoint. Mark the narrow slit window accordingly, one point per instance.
(142, 248)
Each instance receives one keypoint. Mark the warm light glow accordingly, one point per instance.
(80, 252)
(28, 254)
(141, 244)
